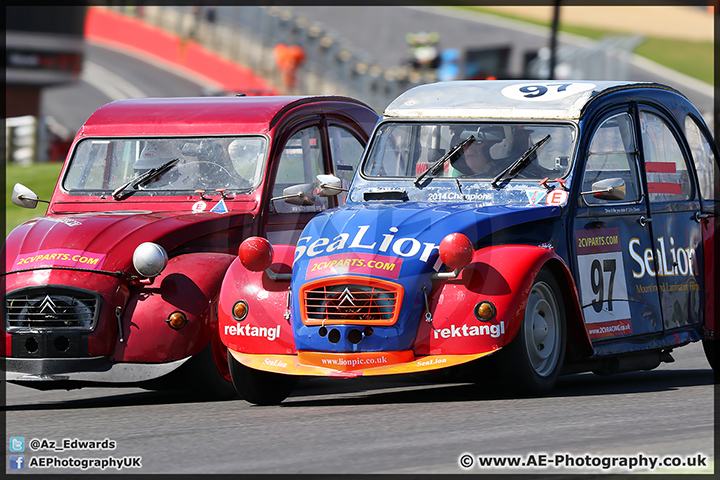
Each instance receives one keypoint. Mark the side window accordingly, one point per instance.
(346, 151)
(390, 154)
(612, 155)
(300, 162)
(704, 158)
(89, 161)
(667, 172)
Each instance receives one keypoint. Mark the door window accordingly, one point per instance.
(346, 151)
(612, 155)
(301, 161)
(704, 158)
(665, 166)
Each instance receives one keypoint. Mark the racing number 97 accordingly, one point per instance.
(597, 282)
(532, 91)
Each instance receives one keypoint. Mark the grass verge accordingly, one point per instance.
(41, 178)
(695, 59)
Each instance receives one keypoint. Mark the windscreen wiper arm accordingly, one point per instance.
(450, 156)
(143, 179)
(519, 165)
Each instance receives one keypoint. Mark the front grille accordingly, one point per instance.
(351, 301)
(51, 307)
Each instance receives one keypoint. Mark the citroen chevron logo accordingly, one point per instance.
(47, 304)
(346, 296)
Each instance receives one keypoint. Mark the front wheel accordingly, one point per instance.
(531, 362)
(259, 387)
(208, 374)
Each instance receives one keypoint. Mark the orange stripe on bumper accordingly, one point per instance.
(347, 365)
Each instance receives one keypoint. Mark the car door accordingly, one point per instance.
(614, 271)
(677, 235)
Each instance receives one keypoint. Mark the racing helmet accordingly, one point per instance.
(489, 138)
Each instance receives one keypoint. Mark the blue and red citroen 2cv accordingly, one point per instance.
(551, 227)
(118, 283)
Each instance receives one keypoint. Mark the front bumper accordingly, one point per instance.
(95, 370)
(348, 365)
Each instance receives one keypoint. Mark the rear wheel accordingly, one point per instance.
(259, 387)
(531, 362)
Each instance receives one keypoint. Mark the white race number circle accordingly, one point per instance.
(545, 91)
(557, 197)
(199, 206)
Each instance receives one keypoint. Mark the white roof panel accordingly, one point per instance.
(510, 99)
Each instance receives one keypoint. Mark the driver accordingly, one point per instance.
(477, 160)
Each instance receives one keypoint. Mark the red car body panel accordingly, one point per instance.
(267, 301)
(492, 275)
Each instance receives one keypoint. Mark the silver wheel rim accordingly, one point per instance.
(542, 329)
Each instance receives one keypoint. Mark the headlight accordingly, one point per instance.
(149, 259)
(456, 250)
(256, 254)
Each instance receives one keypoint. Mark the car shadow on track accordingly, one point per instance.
(578, 385)
(385, 390)
(119, 399)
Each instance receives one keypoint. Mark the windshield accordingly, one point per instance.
(409, 149)
(203, 163)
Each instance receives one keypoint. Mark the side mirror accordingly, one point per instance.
(302, 195)
(22, 196)
(329, 185)
(608, 189)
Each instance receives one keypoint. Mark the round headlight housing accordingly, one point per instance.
(256, 254)
(149, 259)
(456, 250)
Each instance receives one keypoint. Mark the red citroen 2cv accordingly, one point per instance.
(118, 283)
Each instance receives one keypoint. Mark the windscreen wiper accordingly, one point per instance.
(142, 180)
(450, 156)
(519, 165)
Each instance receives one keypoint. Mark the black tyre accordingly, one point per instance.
(711, 353)
(531, 363)
(258, 387)
(208, 374)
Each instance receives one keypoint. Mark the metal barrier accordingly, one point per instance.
(21, 139)
(607, 59)
(247, 35)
